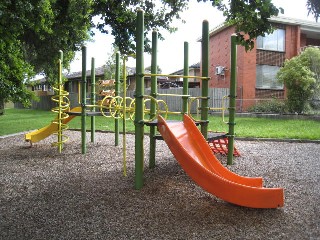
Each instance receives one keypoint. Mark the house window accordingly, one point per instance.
(266, 77)
(273, 42)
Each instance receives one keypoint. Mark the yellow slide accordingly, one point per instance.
(46, 131)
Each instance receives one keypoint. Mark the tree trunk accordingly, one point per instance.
(1, 107)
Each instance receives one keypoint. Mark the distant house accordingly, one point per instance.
(40, 87)
(74, 78)
(131, 80)
(257, 69)
(194, 70)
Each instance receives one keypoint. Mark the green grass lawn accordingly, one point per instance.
(278, 128)
(20, 120)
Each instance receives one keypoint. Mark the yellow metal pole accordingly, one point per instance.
(60, 107)
(124, 106)
(79, 93)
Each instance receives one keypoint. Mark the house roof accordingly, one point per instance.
(310, 28)
(75, 75)
(99, 71)
(193, 66)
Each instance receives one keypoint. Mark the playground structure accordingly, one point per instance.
(187, 143)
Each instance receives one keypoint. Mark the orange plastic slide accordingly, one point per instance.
(195, 156)
(46, 131)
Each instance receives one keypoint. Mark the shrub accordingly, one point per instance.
(301, 78)
(269, 106)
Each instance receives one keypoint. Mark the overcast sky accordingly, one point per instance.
(170, 51)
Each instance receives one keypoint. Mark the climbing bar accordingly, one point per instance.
(93, 105)
(199, 97)
(116, 107)
(127, 108)
(173, 95)
(174, 76)
(171, 112)
(147, 111)
(63, 105)
(223, 108)
(190, 102)
(166, 108)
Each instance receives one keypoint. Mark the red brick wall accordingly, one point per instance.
(269, 93)
(303, 40)
(219, 55)
(246, 73)
(246, 67)
(270, 57)
(292, 41)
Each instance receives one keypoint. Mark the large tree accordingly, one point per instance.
(32, 32)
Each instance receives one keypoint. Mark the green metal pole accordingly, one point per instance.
(185, 80)
(83, 101)
(232, 98)
(154, 70)
(139, 125)
(205, 73)
(93, 98)
(117, 93)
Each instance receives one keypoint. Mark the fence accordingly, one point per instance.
(216, 96)
(174, 103)
(44, 103)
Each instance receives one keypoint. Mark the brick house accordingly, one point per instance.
(256, 69)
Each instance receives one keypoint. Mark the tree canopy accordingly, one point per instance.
(313, 7)
(249, 17)
(32, 31)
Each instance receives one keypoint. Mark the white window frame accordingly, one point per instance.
(266, 77)
(273, 42)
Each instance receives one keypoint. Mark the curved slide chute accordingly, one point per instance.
(195, 156)
(46, 131)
